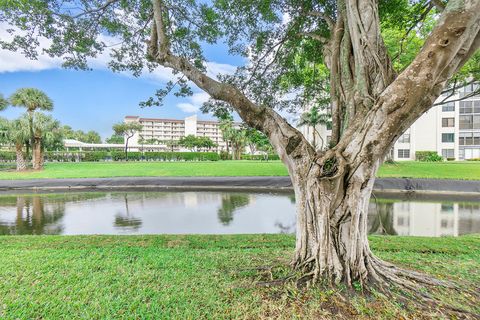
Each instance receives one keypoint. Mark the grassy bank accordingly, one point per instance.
(198, 277)
(443, 170)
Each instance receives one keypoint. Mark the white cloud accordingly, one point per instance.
(194, 102)
(15, 61)
(214, 69)
(199, 98)
(187, 107)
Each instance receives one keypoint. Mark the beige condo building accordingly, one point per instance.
(165, 130)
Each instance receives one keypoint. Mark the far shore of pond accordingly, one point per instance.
(464, 170)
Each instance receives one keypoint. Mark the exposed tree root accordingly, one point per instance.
(405, 286)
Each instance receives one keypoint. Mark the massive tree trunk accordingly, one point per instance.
(371, 107)
(20, 158)
(332, 208)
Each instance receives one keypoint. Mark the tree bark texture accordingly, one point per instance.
(37, 154)
(20, 157)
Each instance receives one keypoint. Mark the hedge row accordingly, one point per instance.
(260, 157)
(166, 156)
(54, 156)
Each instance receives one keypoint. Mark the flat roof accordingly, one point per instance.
(175, 120)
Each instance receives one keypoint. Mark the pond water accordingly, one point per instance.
(202, 212)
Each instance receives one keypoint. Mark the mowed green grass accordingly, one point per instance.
(202, 277)
(152, 169)
(466, 170)
(411, 169)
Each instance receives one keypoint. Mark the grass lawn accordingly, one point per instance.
(468, 170)
(202, 277)
(152, 169)
(443, 170)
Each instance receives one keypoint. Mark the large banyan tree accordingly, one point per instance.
(296, 53)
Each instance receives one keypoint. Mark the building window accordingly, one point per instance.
(476, 106)
(476, 122)
(469, 122)
(450, 106)
(466, 107)
(448, 122)
(404, 138)
(403, 153)
(466, 122)
(447, 208)
(448, 153)
(469, 139)
(448, 137)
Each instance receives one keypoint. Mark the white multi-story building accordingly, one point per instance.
(451, 129)
(164, 130)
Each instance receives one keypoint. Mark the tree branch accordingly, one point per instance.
(161, 44)
(471, 94)
(439, 5)
(314, 36)
(330, 22)
(90, 11)
(282, 135)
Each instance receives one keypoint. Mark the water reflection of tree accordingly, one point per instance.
(35, 216)
(286, 228)
(230, 203)
(125, 221)
(382, 220)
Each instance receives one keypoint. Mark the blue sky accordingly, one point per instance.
(94, 100)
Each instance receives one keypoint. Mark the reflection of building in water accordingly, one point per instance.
(425, 219)
(469, 218)
(187, 199)
(432, 219)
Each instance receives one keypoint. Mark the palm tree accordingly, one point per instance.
(47, 133)
(33, 100)
(226, 127)
(313, 118)
(3, 103)
(238, 138)
(15, 132)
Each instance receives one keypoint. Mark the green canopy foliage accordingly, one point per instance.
(31, 99)
(127, 129)
(3, 103)
(282, 39)
(47, 129)
(87, 137)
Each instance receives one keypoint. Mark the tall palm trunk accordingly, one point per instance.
(37, 154)
(21, 165)
(32, 135)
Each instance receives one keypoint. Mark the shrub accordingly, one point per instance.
(95, 156)
(260, 157)
(7, 156)
(428, 156)
(224, 155)
(166, 156)
(474, 159)
(64, 156)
